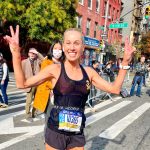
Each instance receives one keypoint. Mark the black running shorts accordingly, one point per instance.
(62, 141)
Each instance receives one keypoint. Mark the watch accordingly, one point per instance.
(124, 67)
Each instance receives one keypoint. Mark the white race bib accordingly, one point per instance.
(70, 120)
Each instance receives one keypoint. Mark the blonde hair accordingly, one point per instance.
(74, 29)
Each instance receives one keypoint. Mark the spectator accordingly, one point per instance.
(4, 78)
(44, 90)
(95, 66)
(31, 66)
(55, 55)
(108, 70)
(139, 77)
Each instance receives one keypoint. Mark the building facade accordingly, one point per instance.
(95, 16)
(127, 7)
(145, 26)
(133, 14)
(94, 19)
(137, 18)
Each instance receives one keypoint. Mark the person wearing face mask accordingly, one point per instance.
(57, 53)
(44, 90)
(31, 66)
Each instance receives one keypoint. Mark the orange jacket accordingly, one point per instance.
(43, 90)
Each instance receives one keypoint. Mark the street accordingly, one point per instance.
(119, 124)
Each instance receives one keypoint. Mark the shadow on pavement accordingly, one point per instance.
(148, 92)
(99, 143)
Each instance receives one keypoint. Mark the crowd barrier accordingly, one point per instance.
(98, 95)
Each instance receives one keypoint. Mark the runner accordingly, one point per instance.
(71, 84)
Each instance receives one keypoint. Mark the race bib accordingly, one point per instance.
(70, 120)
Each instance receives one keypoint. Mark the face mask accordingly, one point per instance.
(57, 53)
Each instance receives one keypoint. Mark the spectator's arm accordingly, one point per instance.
(40, 56)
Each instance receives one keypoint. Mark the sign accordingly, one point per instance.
(91, 42)
(118, 25)
(101, 27)
(102, 35)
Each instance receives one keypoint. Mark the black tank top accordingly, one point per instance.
(69, 94)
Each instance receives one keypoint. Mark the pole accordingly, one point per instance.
(105, 29)
(106, 17)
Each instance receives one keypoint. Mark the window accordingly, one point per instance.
(120, 31)
(90, 4)
(88, 27)
(81, 2)
(95, 29)
(113, 14)
(117, 14)
(79, 22)
(109, 14)
(105, 5)
(97, 5)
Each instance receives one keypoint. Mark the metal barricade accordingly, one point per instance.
(96, 94)
(127, 80)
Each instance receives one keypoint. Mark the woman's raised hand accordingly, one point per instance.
(128, 51)
(13, 40)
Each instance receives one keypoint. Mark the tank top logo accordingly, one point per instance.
(87, 85)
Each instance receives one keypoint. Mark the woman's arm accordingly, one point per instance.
(40, 56)
(104, 85)
(21, 82)
(46, 74)
(114, 87)
(42, 76)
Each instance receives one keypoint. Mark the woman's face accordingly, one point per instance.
(73, 45)
(57, 51)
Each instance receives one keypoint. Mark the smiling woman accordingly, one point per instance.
(71, 85)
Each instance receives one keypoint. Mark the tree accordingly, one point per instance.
(144, 45)
(43, 20)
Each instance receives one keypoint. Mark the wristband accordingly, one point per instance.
(124, 67)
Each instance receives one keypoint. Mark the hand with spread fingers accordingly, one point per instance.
(128, 51)
(13, 40)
